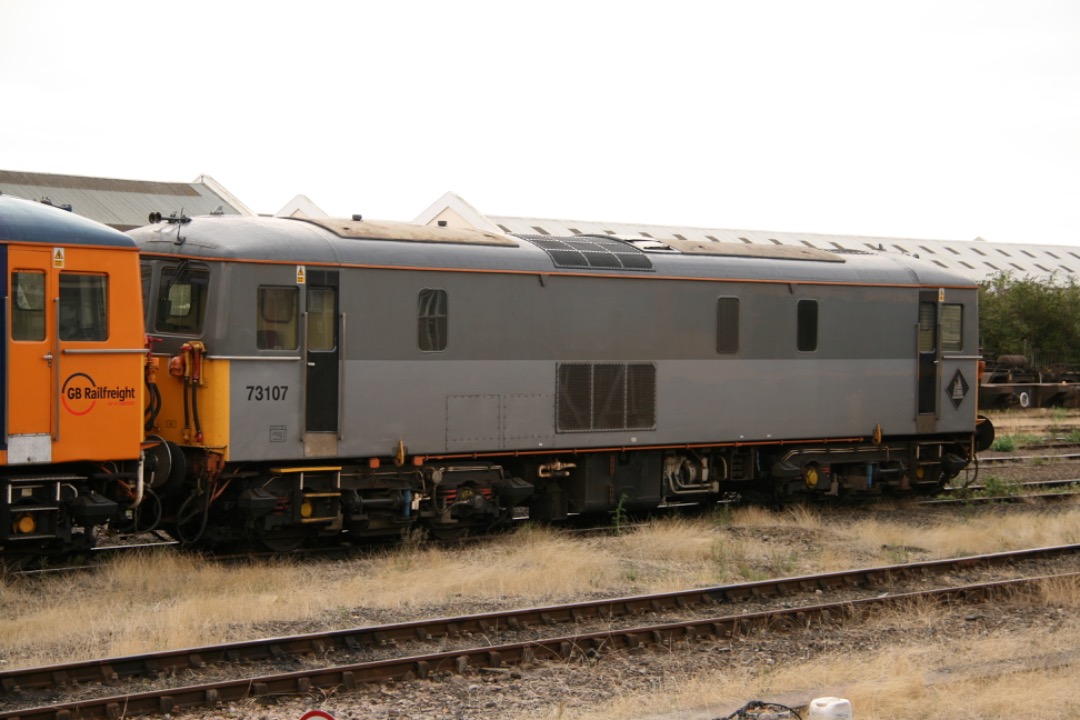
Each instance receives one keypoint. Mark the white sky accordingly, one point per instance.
(942, 119)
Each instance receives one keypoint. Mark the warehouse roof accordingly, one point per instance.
(122, 204)
(978, 259)
(127, 204)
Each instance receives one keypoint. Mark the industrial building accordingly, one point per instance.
(126, 204)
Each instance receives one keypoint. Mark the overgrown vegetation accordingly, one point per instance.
(1005, 443)
(140, 603)
(1037, 319)
(1009, 443)
(996, 487)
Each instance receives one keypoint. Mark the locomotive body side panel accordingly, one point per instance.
(99, 369)
(72, 389)
(267, 419)
(494, 382)
(494, 387)
(74, 350)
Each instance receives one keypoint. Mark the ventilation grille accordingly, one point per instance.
(606, 396)
(592, 253)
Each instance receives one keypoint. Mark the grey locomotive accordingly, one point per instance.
(360, 377)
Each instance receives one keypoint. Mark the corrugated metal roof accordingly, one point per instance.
(976, 259)
(121, 204)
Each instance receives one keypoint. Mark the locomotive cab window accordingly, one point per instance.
(807, 332)
(727, 325)
(952, 328)
(182, 300)
(83, 307)
(432, 320)
(28, 305)
(277, 318)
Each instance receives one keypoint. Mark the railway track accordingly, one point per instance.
(1033, 491)
(1021, 459)
(20, 687)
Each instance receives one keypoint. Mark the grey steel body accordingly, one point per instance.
(514, 317)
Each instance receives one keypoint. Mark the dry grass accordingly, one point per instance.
(995, 676)
(535, 565)
(144, 602)
(882, 686)
(148, 602)
(966, 536)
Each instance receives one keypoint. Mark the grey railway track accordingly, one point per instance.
(1020, 459)
(1051, 490)
(17, 684)
(564, 648)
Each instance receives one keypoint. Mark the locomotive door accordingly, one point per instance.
(322, 361)
(30, 413)
(929, 369)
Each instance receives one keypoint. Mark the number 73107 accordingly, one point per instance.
(261, 393)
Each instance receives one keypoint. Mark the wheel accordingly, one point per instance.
(282, 540)
(448, 533)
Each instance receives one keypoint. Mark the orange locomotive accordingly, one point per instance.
(72, 364)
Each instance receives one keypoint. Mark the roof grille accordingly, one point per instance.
(591, 252)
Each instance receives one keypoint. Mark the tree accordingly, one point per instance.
(1037, 319)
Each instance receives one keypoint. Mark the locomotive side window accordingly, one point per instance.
(83, 307)
(432, 320)
(277, 319)
(807, 333)
(727, 325)
(952, 328)
(28, 306)
(182, 301)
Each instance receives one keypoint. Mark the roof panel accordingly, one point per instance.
(121, 204)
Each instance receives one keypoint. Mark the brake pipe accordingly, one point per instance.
(140, 486)
(197, 353)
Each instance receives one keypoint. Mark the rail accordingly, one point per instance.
(587, 645)
(14, 683)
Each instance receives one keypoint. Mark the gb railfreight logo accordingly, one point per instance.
(81, 394)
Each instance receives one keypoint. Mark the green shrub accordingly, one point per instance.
(1003, 443)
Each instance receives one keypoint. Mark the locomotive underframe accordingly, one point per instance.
(57, 510)
(282, 507)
